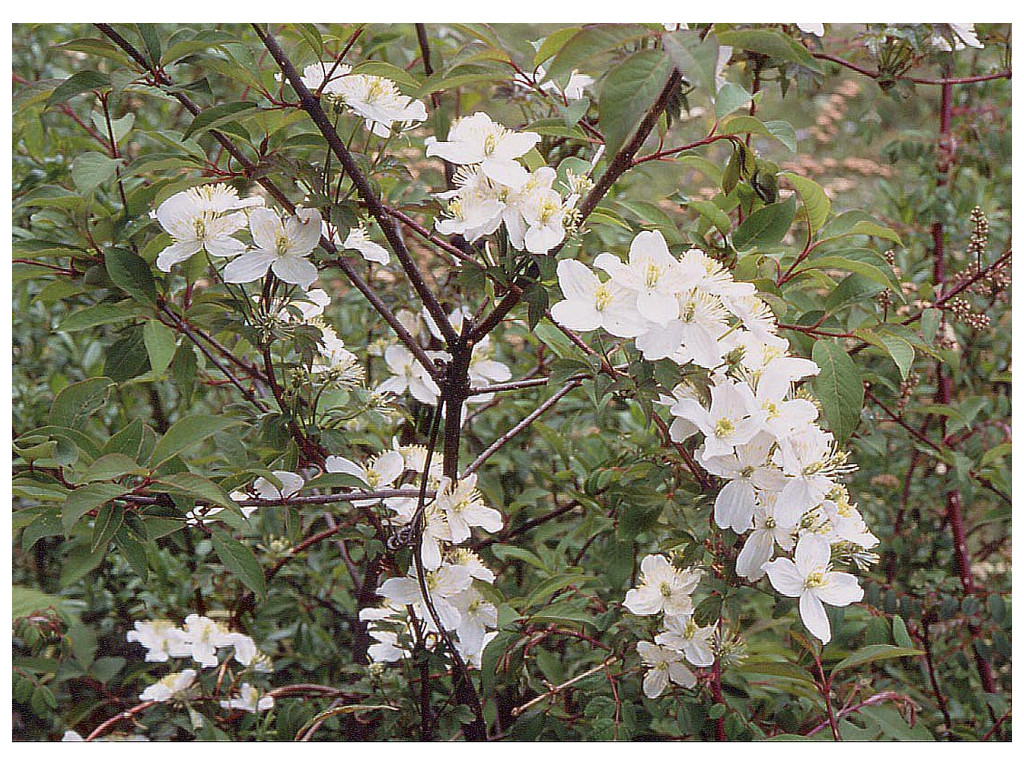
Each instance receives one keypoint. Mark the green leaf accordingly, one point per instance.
(777, 129)
(131, 274)
(196, 486)
(872, 653)
(591, 43)
(107, 522)
(110, 466)
(240, 560)
(160, 344)
(901, 352)
(186, 433)
(99, 314)
(729, 98)
(553, 43)
(839, 387)
(769, 42)
(562, 613)
(696, 59)
(76, 402)
(25, 601)
(815, 201)
(151, 37)
(862, 262)
(390, 71)
(718, 218)
(505, 551)
(765, 227)
(91, 169)
(210, 118)
(629, 91)
(873, 229)
(930, 324)
(900, 634)
(86, 499)
(126, 358)
(80, 82)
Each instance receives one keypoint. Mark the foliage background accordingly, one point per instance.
(595, 460)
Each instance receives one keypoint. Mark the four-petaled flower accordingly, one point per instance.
(664, 588)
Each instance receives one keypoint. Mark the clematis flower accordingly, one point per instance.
(747, 471)
(379, 474)
(282, 245)
(194, 224)
(464, 508)
(771, 527)
(964, 36)
(358, 240)
(442, 585)
(162, 639)
(663, 588)
(682, 633)
(590, 304)
(291, 484)
(810, 578)
(173, 686)
(653, 273)
(249, 700)
(726, 424)
(476, 139)
(322, 76)
(379, 102)
(665, 664)
(478, 616)
(204, 636)
(409, 375)
(818, 30)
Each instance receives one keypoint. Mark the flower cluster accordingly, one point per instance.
(199, 638)
(781, 470)
(667, 591)
(375, 99)
(449, 571)
(493, 187)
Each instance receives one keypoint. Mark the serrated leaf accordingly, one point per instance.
(186, 433)
(240, 560)
(765, 227)
(629, 91)
(839, 387)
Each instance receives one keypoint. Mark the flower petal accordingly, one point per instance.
(249, 266)
(785, 577)
(812, 612)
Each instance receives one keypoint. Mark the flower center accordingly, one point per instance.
(814, 580)
(602, 298)
(769, 523)
(724, 427)
(490, 143)
(690, 630)
(199, 224)
(653, 275)
(282, 244)
(666, 590)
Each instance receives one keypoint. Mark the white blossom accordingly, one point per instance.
(282, 245)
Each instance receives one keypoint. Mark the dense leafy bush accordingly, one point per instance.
(594, 382)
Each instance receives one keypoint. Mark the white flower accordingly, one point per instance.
(194, 225)
(472, 562)
(590, 304)
(747, 471)
(683, 634)
(693, 336)
(379, 102)
(309, 308)
(282, 245)
(769, 530)
(478, 616)
(380, 474)
(249, 699)
(811, 579)
(963, 35)
(818, 30)
(544, 214)
(653, 273)
(163, 639)
(665, 665)
(442, 585)
(358, 240)
(573, 90)
(663, 588)
(804, 457)
(173, 686)
(408, 375)
(726, 424)
(463, 507)
(204, 636)
(322, 75)
(477, 139)
(291, 484)
(475, 207)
